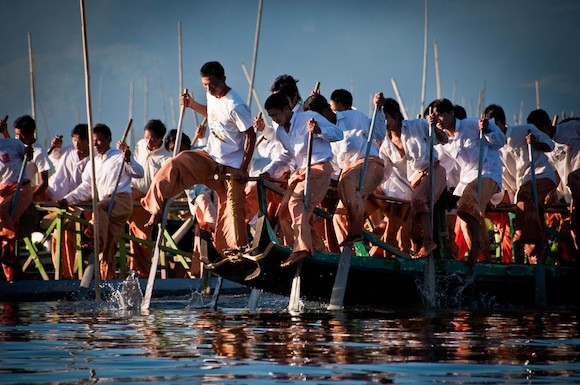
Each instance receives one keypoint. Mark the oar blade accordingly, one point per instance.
(340, 281)
(295, 306)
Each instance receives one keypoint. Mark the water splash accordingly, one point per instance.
(130, 294)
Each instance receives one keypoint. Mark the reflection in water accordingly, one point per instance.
(80, 342)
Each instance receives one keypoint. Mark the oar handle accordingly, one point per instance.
(127, 129)
(533, 173)
(197, 135)
(308, 167)
(363, 173)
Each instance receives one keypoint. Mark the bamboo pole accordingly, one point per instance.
(454, 92)
(91, 155)
(254, 93)
(399, 99)
(437, 70)
(131, 104)
(521, 119)
(255, 56)
(537, 84)
(145, 99)
(425, 38)
(180, 55)
(100, 100)
(31, 72)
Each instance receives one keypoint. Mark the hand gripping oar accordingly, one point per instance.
(197, 135)
(294, 303)
(429, 269)
(19, 183)
(155, 259)
(540, 274)
(120, 175)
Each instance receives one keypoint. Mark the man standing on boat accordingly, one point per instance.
(293, 132)
(109, 163)
(410, 139)
(151, 154)
(228, 154)
(349, 155)
(13, 184)
(464, 144)
(529, 220)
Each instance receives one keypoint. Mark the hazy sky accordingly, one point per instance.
(358, 45)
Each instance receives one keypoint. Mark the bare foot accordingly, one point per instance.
(472, 255)
(425, 250)
(295, 257)
(153, 220)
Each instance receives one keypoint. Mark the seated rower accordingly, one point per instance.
(349, 154)
(109, 163)
(293, 132)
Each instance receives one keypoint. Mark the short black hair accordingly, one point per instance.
(25, 123)
(82, 130)
(157, 127)
(459, 112)
(103, 129)
(539, 117)
(442, 105)
(316, 103)
(287, 86)
(172, 135)
(276, 100)
(213, 68)
(496, 112)
(391, 107)
(343, 97)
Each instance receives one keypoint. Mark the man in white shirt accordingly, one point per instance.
(151, 154)
(293, 132)
(229, 151)
(70, 163)
(410, 138)
(12, 152)
(37, 169)
(109, 163)
(528, 228)
(567, 134)
(349, 155)
(464, 146)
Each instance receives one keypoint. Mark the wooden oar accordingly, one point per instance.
(19, 183)
(294, 304)
(480, 161)
(197, 135)
(157, 251)
(540, 274)
(120, 175)
(429, 269)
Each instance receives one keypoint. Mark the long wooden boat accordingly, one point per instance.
(393, 281)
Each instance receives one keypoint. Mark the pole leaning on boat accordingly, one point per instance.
(429, 269)
(539, 273)
(112, 199)
(94, 192)
(294, 305)
(155, 259)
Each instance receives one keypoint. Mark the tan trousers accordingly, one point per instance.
(350, 215)
(111, 228)
(470, 208)
(529, 220)
(295, 218)
(197, 167)
(9, 223)
(140, 261)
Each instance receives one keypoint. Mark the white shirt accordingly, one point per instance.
(11, 156)
(68, 174)
(151, 161)
(228, 118)
(464, 148)
(107, 168)
(355, 127)
(415, 140)
(517, 149)
(295, 141)
(39, 163)
(395, 182)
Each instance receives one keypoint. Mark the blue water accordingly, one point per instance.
(88, 342)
